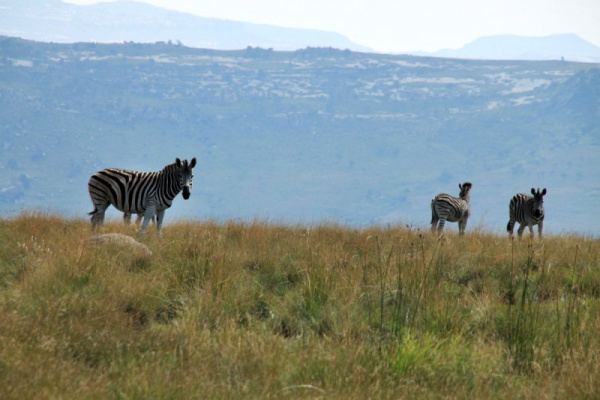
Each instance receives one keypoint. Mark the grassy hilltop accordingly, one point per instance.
(266, 310)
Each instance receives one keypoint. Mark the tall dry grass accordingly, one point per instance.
(268, 310)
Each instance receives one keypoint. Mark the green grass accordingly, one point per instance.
(265, 310)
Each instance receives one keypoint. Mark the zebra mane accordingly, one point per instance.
(170, 168)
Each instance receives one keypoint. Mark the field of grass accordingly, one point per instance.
(260, 309)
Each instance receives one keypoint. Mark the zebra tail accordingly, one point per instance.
(509, 226)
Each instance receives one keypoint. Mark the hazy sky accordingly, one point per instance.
(407, 25)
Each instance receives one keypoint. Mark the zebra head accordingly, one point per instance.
(185, 175)
(538, 202)
(465, 188)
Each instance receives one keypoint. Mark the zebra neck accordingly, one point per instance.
(168, 184)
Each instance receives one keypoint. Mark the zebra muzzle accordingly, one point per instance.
(186, 193)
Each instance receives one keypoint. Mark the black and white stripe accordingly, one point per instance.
(131, 192)
(527, 211)
(453, 209)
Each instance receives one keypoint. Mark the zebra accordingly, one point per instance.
(150, 193)
(448, 208)
(527, 211)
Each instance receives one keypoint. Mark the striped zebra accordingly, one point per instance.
(454, 209)
(150, 193)
(527, 211)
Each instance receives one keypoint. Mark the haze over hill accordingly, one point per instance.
(512, 47)
(55, 21)
(306, 135)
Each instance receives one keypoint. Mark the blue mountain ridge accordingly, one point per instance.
(55, 21)
(513, 47)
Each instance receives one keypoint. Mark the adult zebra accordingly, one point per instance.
(527, 211)
(448, 208)
(150, 193)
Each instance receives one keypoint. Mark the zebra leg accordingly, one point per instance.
(530, 230)
(462, 226)
(441, 225)
(140, 218)
(148, 215)
(521, 229)
(434, 218)
(434, 222)
(94, 220)
(101, 217)
(159, 221)
(540, 227)
(98, 217)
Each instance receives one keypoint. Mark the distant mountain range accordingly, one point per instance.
(55, 21)
(309, 135)
(569, 47)
(115, 22)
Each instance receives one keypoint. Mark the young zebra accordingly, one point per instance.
(150, 193)
(527, 211)
(448, 208)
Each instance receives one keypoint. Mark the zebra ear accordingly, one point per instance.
(193, 163)
(533, 191)
(460, 186)
(178, 162)
(544, 192)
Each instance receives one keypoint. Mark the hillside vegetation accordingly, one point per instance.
(300, 136)
(259, 309)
